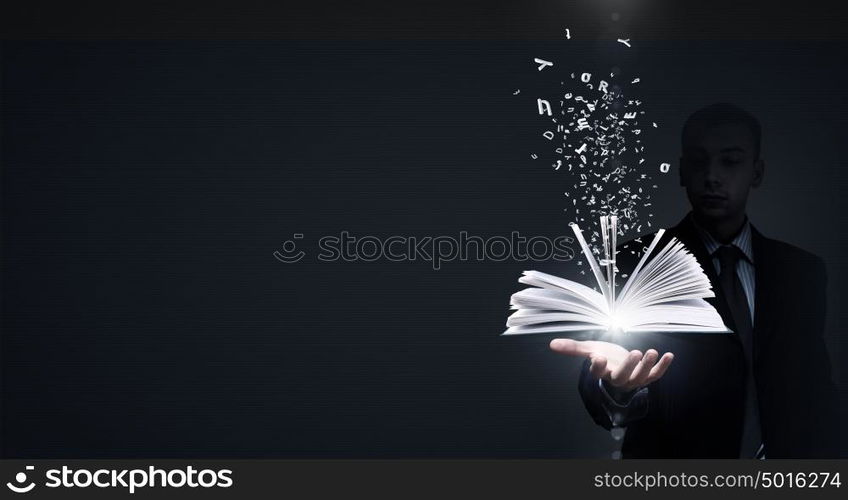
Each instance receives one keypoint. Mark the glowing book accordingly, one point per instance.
(665, 293)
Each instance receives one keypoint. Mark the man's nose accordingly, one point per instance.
(712, 175)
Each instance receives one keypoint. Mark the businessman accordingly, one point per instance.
(764, 391)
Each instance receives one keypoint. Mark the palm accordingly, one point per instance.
(623, 369)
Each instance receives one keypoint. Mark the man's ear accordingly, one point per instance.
(759, 172)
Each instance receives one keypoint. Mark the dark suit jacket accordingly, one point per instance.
(696, 409)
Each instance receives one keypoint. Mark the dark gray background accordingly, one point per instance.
(145, 186)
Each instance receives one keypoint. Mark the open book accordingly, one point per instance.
(665, 293)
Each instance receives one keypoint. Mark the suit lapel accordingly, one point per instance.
(765, 276)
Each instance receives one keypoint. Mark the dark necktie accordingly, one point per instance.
(734, 294)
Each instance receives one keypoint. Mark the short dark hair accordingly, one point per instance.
(722, 114)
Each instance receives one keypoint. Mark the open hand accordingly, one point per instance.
(623, 369)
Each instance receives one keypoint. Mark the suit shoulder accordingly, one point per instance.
(794, 260)
(791, 253)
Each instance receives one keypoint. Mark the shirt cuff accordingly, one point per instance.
(623, 411)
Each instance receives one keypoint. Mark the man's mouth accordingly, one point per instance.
(713, 197)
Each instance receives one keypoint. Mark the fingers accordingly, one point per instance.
(570, 347)
(620, 376)
(598, 368)
(643, 369)
(659, 369)
(611, 362)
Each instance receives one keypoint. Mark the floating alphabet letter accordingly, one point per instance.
(542, 63)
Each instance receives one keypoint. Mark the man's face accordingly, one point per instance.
(718, 168)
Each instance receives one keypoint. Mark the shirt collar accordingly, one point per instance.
(742, 241)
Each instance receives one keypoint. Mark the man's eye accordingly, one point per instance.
(731, 160)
